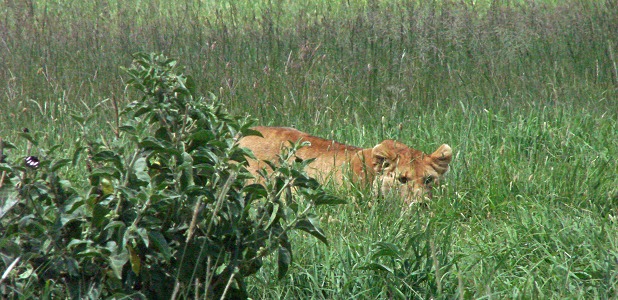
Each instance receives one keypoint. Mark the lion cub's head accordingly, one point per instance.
(408, 172)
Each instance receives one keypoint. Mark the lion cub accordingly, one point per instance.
(390, 165)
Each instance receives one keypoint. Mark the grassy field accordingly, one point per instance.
(525, 92)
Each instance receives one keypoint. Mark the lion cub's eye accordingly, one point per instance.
(403, 179)
(428, 180)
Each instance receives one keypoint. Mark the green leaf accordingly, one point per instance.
(77, 242)
(8, 145)
(117, 262)
(195, 190)
(108, 156)
(251, 132)
(270, 164)
(202, 135)
(114, 224)
(106, 171)
(320, 197)
(99, 214)
(309, 225)
(385, 249)
(284, 259)
(256, 190)
(93, 252)
(128, 129)
(53, 148)
(162, 135)
(186, 168)
(140, 168)
(150, 143)
(306, 182)
(169, 62)
(76, 155)
(160, 243)
(79, 119)
(5, 167)
(273, 215)
(27, 273)
(57, 164)
(8, 204)
(136, 262)
(325, 198)
(28, 137)
(191, 86)
(143, 233)
(377, 267)
(142, 110)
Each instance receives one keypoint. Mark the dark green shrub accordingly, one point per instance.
(167, 211)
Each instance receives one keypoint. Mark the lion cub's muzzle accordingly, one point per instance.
(409, 192)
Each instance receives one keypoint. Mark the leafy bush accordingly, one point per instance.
(165, 210)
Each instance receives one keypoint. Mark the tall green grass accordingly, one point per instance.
(524, 91)
(275, 57)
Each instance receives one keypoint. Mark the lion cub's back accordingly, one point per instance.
(268, 146)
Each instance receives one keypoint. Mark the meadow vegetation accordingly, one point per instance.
(525, 92)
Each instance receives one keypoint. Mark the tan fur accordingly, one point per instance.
(390, 166)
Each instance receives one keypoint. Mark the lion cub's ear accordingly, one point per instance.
(383, 156)
(441, 158)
